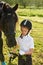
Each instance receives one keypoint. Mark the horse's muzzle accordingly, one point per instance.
(11, 41)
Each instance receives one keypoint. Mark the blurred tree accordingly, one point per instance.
(11, 2)
(24, 3)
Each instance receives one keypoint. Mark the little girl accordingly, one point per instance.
(26, 43)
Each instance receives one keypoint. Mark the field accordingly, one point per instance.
(36, 17)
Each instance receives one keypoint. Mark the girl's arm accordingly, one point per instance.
(29, 52)
(16, 48)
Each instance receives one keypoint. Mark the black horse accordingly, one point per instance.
(8, 19)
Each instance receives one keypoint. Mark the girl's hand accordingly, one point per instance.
(14, 51)
(29, 52)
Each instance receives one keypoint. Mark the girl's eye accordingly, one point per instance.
(25, 31)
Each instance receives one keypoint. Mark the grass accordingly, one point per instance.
(30, 12)
(36, 33)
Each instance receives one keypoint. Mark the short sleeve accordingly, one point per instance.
(32, 43)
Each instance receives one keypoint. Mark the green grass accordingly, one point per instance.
(30, 12)
(36, 33)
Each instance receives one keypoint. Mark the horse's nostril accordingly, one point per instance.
(11, 40)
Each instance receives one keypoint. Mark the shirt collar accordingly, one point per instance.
(24, 36)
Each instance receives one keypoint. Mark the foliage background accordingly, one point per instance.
(32, 10)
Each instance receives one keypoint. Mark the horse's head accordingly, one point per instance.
(9, 23)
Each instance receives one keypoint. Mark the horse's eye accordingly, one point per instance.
(9, 14)
(0, 8)
(13, 15)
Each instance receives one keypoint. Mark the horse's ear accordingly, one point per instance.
(15, 7)
(4, 7)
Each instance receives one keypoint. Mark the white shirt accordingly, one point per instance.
(25, 43)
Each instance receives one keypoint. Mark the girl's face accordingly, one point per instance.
(24, 30)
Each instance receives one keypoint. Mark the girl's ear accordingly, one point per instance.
(15, 7)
